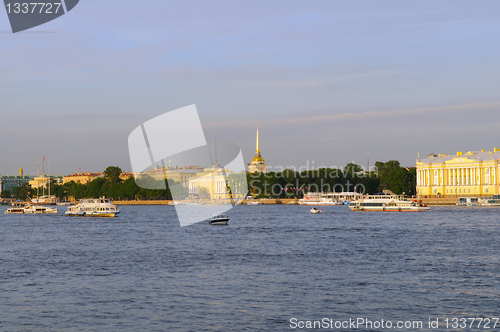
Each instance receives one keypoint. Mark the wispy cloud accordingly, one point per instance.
(328, 118)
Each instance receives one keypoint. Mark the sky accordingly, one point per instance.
(328, 82)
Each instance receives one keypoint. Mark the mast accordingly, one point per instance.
(37, 175)
(43, 176)
(49, 177)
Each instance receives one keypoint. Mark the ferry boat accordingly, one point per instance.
(388, 203)
(220, 219)
(100, 207)
(490, 201)
(17, 208)
(30, 208)
(45, 200)
(26, 208)
(318, 199)
(468, 201)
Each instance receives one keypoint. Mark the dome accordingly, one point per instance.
(257, 159)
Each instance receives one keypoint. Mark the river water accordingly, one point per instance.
(142, 272)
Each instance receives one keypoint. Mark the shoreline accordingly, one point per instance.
(288, 201)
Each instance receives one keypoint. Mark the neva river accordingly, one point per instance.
(142, 272)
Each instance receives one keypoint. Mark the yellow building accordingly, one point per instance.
(464, 174)
(181, 175)
(82, 178)
(210, 184)
(40, 182)
(258, 164)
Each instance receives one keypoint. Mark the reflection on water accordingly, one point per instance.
(142, 271)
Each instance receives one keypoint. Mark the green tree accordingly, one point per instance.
(22, 192)
(352, 168)
(399, 181)
(112, 174)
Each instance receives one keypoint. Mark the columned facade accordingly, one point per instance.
(470, 174)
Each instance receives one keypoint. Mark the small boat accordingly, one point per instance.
(100, 207)
(220, 219)
(315, 210)
(490, 201)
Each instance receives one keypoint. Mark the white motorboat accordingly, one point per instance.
(220, 219)
(388, 203)
(315, 210)
(94, 207)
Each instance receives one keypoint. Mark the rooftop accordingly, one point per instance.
(472, 155)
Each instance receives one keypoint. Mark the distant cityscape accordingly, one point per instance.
(474, 173)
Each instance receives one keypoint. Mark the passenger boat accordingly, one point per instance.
(26, 208)
(490, 201)
(315, 210)
(388, 203)
(318, 199)
(37, 209)
(45, 200)
(468, 201)
(100, 207)
(220, 219)
(17, 208)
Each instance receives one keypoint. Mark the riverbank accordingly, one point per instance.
(272, 201)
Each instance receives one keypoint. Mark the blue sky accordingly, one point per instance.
(327, 81)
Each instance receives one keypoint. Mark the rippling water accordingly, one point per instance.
(143, 272)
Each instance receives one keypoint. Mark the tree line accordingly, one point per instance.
(293, 184)
(110, 185)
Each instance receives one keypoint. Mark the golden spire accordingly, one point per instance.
(258, 149)
(21, 170)
(257, 158)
